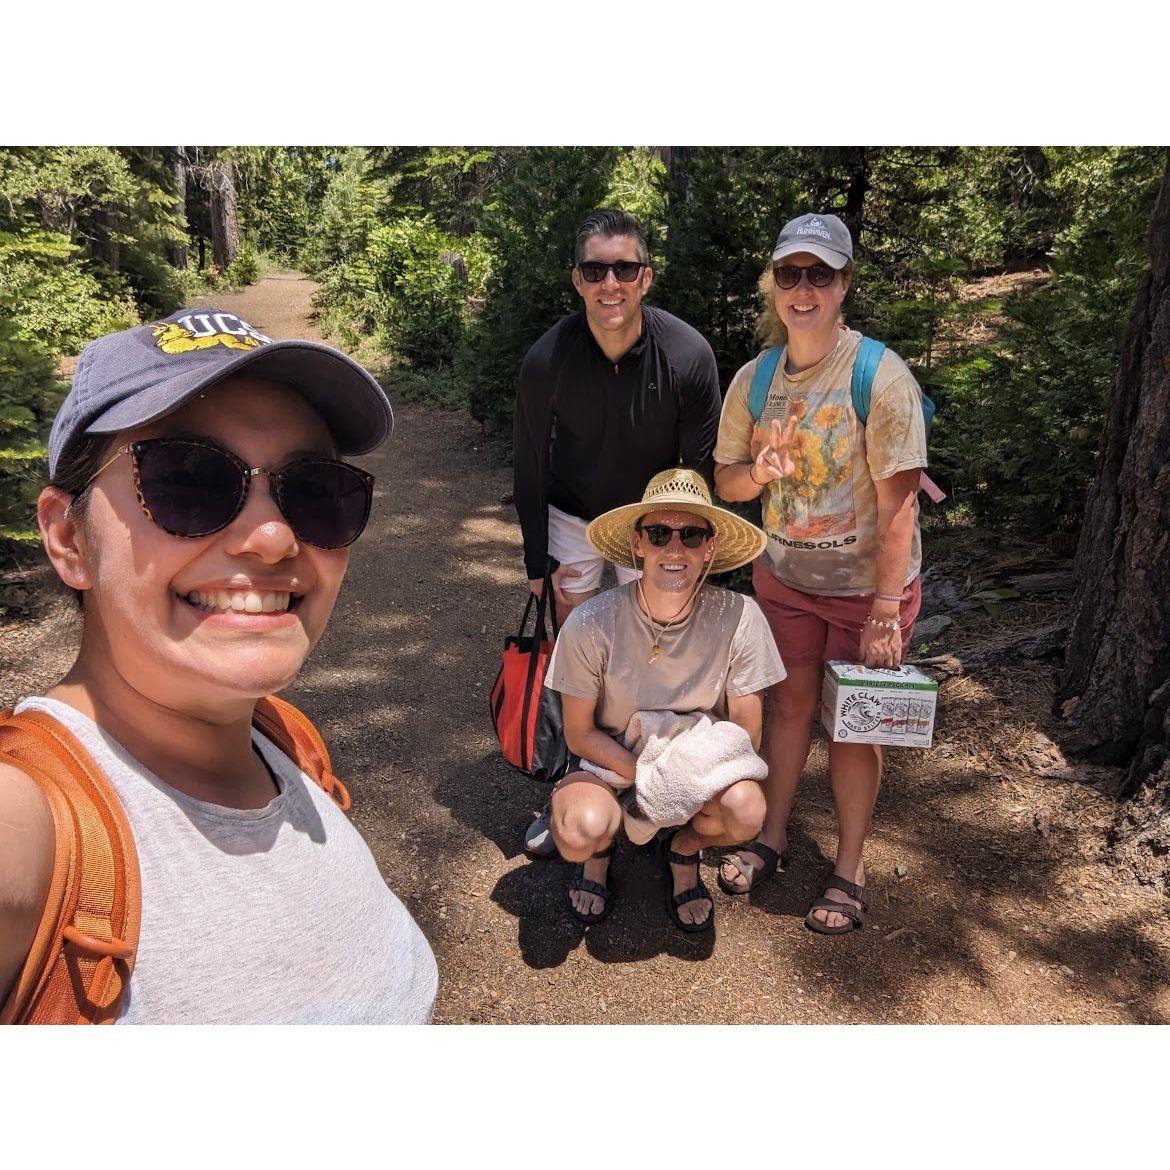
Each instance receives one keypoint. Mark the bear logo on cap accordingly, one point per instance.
(198, 331)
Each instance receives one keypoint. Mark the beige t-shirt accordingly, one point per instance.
(723, 648)
(822, 520)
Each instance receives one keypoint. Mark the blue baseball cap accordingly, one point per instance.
(127, 379)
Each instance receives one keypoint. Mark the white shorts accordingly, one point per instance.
(566, 542)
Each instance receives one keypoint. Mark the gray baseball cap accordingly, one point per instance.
(125, 380)
(825, 236)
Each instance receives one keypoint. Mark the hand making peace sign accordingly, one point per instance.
(775, 461)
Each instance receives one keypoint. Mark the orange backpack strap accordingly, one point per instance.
(83, 952)
(293, 732)
(82, 955)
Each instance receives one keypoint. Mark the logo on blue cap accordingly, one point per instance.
(198, 331)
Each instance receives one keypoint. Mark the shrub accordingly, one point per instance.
(29, 395)
(55, 303)
(425, 279)
(245, 266)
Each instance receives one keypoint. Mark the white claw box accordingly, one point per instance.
(870, 704)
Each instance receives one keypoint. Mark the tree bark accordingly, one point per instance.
(177, 253)
(676, 158)
(855, 192)
(225, 230)
(1115, 690)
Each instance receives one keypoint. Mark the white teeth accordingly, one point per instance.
(243, 601)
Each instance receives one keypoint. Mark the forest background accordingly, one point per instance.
(1003, 275)
(1025, 286)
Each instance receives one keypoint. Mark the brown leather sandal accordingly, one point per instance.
(856, 916)
(755, 876)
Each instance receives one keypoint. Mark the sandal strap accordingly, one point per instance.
(765, 853)
(857, 893)
(692, 895)
(606, 852)
(754, 874)
(590, 887)
(843, 908)
(679, 858)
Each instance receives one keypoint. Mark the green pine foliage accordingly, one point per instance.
(29, 394)
(426, 280)
(529, 227)
(723, 207)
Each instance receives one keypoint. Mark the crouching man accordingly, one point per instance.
(662, 683)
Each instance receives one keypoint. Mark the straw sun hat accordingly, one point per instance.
(678, 489)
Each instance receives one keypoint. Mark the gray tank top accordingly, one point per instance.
(275, 915)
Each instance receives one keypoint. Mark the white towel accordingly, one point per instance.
(683, 762)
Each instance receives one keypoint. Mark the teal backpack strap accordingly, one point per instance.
(762, 380)
(865, 365)
(869, 356)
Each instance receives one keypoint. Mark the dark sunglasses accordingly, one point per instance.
(625, 270)
(191, 489)
(692, 535)
(788, 275)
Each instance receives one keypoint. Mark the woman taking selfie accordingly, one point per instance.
(198, 508)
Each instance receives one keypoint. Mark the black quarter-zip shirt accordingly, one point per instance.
(590, 433)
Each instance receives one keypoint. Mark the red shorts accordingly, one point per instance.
(809, 628)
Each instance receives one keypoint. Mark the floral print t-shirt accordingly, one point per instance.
(822, 520)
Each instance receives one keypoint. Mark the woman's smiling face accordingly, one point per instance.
(175, 616)
(807, 311)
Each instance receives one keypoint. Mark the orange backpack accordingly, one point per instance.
(83, 952)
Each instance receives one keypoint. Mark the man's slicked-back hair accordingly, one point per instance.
(609, 221)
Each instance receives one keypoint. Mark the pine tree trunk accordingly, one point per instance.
(225, 230)
(1115, 691)
(856, 192)
(676, 169)
(177, 253)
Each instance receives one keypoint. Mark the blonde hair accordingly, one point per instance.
(769, 328)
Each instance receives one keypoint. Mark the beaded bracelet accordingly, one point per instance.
(888, 624)
(888, 596)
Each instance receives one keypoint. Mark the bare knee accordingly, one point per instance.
(742, 808)
(583, 825)
(790, 704)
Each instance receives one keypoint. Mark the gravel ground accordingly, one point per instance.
(1004, 913)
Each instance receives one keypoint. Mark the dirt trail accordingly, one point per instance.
(1003, 914)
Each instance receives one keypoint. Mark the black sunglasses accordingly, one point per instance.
(189, 488)
(692, 535)
(625, 270)
(788, 275)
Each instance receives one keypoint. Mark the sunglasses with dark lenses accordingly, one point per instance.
(625, 270)
(191, 489)
(788, 275)
(692, 535)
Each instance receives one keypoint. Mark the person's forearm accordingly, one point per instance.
(895, 536)
(597, 747)
(734, 483)
(752, 721)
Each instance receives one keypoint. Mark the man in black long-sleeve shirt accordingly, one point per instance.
(609, 396)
